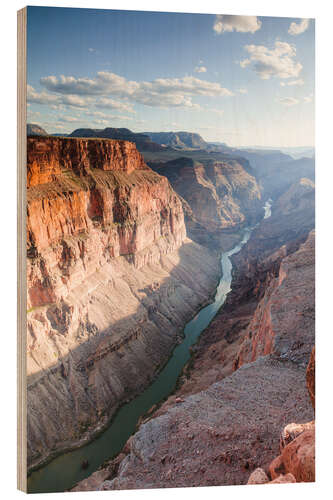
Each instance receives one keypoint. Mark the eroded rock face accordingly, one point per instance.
(112, 279)
(222, 197)
(299, 457)
(52, 155)
(221, 425)
(273, 277)
(283, 322)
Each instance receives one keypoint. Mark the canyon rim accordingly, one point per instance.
(170, 250)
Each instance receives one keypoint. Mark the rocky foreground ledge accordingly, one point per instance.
(296, 462)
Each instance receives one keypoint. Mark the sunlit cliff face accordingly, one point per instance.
(83, 215)
(111, 281)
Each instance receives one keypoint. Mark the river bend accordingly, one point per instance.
(65, 471)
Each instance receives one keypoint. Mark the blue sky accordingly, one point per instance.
(243, 80)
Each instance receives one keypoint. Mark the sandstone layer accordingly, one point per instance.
(111, 281)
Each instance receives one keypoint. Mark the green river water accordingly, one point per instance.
(65, 471)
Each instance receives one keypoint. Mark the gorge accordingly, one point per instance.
(58, 477)
(113, 278)
(101, 224)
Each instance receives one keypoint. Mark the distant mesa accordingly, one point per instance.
(143, 142)
(33, 129)
(178, 140)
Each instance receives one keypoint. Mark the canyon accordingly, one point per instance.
(245, 382)
(123, 250)
(220, 197)
(111, 281)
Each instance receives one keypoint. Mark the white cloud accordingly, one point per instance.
(100, 114)
(33, 116)
(242, 24)
(200, 69)
(69, 119)
(297, 29)
(161, 92)
(242, 91)
(105, 102)
(308, 98)
(244, 63)
(59, 102)
(40, 97)
(276, 62)
(49, 126)
(217, 111)
(101, 121)
(44, 98)
(140, 122)
(288, 101)
(33, 113)
(297, 83)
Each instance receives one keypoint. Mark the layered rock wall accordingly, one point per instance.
(222, 433)
(257, 273)
(220, 197)
(111, 281)
(283, 322)
(246, 378)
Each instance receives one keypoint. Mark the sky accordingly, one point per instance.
(242, 80)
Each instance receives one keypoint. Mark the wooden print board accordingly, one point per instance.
(165, 250)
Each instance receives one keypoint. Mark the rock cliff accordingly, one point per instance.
(277, 171)
(256, 273)
(34, 129)
(111, 281)
(142, 141)
(178, 140)
(221, 197)
(283, 322)
(247, 378)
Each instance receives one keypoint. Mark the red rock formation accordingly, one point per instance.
(283, 322)
(110, 282)
(69, 196)
(298, 457)
(47, 157)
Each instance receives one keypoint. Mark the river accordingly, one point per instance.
(65, 471)
(268, 208)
